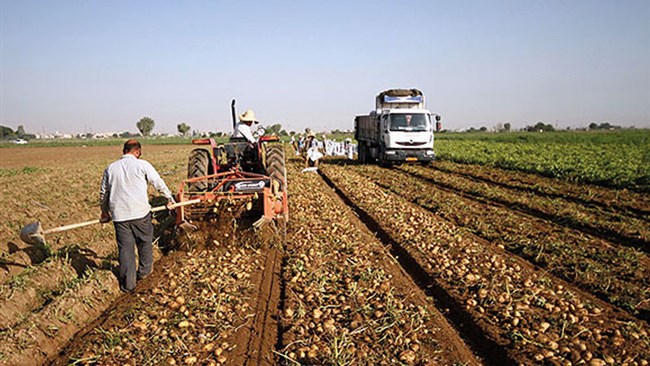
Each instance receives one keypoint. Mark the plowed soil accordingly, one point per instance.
(447, 264)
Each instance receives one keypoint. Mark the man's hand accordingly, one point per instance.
(169, 205)
(105, 217)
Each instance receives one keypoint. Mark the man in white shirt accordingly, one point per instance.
(243, 127)
(123, 199)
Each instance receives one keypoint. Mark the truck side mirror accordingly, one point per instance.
(438, 118)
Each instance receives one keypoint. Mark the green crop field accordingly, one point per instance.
(619, 159)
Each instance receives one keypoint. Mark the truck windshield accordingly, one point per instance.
(409, 122)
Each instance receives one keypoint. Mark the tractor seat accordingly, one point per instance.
(237, 139)
(236, 147)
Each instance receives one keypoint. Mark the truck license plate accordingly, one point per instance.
(410, 158)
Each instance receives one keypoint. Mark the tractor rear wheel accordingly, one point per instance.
(275, 167)
(198, 165)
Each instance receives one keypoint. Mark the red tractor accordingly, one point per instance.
(251, 175)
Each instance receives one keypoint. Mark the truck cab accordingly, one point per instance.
(399, 130)
(407, 135)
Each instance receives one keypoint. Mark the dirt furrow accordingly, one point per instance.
(42, 334)
(613, 227)
(347, 300)
(263, 337)
(205, 306)
(29, 290)
(619, 275)
(533, 316)
(17, 258)
(611, 200)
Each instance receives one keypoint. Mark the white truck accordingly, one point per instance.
(400, 129)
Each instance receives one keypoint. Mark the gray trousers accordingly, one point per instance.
(131, 234)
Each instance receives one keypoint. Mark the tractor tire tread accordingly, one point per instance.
(275, 165)
(198, 166)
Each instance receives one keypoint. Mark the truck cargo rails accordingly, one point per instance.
(399, 130)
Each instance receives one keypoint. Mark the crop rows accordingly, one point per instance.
(616, 274)
(189, 312)
(621, 201)
(342, 296)
(41, 334)
(534, 316)
(347, 302)
(613, 226)
(47, 294)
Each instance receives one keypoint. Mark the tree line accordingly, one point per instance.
(540, 127)
(146, 125)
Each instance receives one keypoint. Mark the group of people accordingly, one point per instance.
(312, 150)
(309, 148)
(124, 198)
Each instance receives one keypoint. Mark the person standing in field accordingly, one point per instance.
(124, 200)
(295, 144)
(301, 144)
(349, 148)
(312, 153)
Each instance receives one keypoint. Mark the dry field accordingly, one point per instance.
(449, 264)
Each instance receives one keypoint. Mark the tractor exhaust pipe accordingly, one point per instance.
(234, 114)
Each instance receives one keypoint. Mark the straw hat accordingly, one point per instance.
(248, 116)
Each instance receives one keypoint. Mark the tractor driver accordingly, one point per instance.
(243, 128)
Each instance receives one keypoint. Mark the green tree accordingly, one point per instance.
(540, 126)
(127, 134)
(145, 125)
(274, 129)
(183, 128)
(20, 131)
(507, 126)
(6, 131)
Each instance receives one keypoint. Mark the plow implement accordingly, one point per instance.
(232, 190)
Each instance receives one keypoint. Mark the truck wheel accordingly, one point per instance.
(362, 152)
(380, 156)
(198, 165)
(275, 167)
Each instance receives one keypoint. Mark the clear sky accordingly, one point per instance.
(94, 66)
